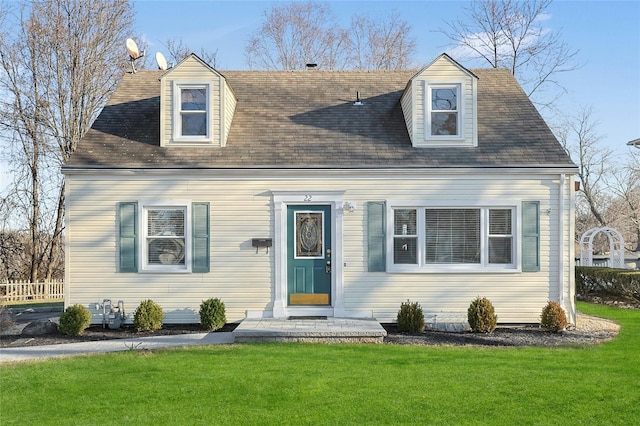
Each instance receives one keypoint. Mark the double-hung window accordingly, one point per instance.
(165, 242)
(457, 238)
(163, 238)
(405, 237)
(192, 112)
(444, 106)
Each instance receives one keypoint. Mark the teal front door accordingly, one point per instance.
(309, 255)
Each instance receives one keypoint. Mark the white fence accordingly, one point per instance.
(630, 262)
(26, 290)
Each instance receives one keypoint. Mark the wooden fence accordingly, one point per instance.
(25, 290)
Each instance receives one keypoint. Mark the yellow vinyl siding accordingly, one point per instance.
(408, 110)
(221, 112)
(442, 71)
(230, 102)
(241, 209)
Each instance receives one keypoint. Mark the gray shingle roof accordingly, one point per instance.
(291, 119)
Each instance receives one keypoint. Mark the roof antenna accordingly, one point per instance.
(134, 53)
(358, 102)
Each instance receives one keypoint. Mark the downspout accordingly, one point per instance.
(561, 242)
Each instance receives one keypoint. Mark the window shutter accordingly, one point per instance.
(200, 234)
(530, 236)
(128, 235)
(376, 228)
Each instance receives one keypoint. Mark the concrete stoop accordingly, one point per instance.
(330, 330)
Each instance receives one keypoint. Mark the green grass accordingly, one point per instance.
(336, 384)
(53, 303)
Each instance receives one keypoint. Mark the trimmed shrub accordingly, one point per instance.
(553, 317)
(410, 318)
(74, 320)
(481, 316)
(148, 316)
(624, 282)
(212, 314)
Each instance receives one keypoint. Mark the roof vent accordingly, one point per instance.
(311, 66)
(358, 102)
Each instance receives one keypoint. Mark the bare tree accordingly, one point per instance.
(296, 34)
(384, 44)
(624, 185)
(509, 33)
(178, 50)
(580, 138)
(59, 62)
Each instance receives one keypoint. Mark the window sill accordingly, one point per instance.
(164, 271)
(446, 143)
(191, 140)
(459, 269)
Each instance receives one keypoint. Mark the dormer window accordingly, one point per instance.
(192, 112)
(444, 111)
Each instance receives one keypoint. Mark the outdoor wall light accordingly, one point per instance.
(350, 206)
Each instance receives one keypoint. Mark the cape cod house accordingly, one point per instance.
(338, 193)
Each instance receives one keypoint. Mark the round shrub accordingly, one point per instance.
(553, 317)
(212, 314)
(410, 318)
(481, 315)
(74, 320)
(148, 316)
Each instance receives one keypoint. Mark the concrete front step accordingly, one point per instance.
(330, 330)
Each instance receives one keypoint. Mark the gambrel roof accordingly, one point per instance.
(307, 119)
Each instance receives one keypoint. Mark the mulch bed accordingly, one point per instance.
(502, 336)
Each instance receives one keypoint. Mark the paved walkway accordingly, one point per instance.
(330, 330)
(26, 353)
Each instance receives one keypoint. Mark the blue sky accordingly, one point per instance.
(606, 33)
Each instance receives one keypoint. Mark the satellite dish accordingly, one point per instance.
(134, 53)
(161, 61)
(132, 48)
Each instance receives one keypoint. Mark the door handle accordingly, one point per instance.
(327, 268)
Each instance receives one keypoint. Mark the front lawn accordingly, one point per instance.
(336, 384)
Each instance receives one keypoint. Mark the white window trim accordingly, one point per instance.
(177, 118)
(459, 84)
(483, 266)
(142, 246)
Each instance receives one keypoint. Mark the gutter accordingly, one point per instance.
(242, 170)
(561, 242)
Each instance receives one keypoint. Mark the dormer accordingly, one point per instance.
(440, 105)
(196, 105)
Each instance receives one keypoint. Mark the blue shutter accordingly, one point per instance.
(200, 237)
(128, 236)
(530, 236)
(376, 232)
